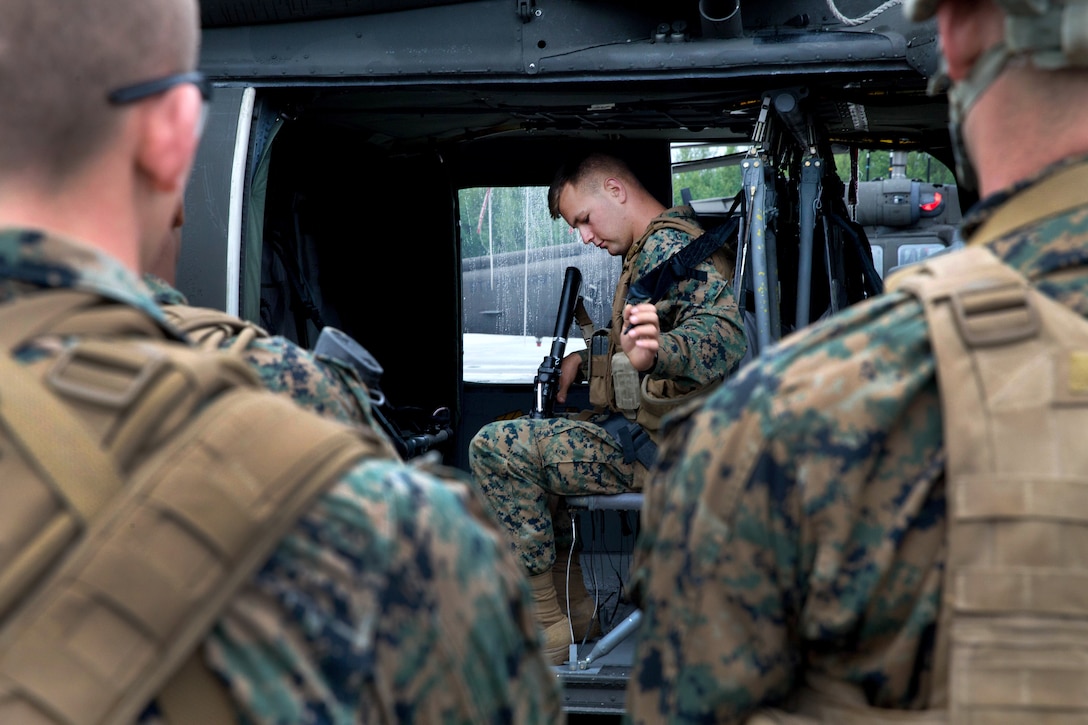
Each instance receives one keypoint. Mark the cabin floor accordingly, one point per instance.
(596, 694)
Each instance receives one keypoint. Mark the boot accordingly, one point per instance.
(550, 617)
(581, 610)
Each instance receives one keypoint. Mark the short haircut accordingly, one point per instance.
(582, 167)
(59, 59)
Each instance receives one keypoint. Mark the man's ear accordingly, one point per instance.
(170, 137)
(615, 189)
(966, 30)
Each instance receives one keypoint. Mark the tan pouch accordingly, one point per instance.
(657, 401)
(600, 370)
(625, 385)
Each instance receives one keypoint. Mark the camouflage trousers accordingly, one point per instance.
(523, 465)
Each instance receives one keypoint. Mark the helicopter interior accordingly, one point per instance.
(356, 151)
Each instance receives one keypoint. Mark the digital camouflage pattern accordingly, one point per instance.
(393, 599)
(321, 384)
(702, 334)
(518, 464)
(795, 522)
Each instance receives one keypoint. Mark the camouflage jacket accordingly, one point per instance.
(393, 599)
(796, 522)
(702, 334)
(321, 384)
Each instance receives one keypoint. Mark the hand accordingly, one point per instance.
(641, 338)
(568, 373)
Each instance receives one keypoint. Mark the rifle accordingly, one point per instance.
(410, 432)
(546, 383)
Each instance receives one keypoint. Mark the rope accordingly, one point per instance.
(864, 18)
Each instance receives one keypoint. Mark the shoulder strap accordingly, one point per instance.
(87, 476)
(103, 596)
(1012, 366)
(657, 224)
(69, 311)
(209, 328)
(656, 283)
(585, 322)
(673, 222)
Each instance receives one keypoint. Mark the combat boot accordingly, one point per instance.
(555, 624)
(581, 608)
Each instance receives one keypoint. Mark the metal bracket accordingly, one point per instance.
(526, 10)
(759, 132)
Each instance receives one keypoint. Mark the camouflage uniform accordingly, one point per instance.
(391, 600)
(519, 463)
(796, 521)
(321, 384)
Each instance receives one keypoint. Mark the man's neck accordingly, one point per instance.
(1029, 137)
(644, 214)
(73, 213)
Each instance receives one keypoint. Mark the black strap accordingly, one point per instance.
(656, 283)
(633, 439)
(873, 283)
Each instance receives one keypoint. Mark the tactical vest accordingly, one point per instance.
(209, 328)
(613, 383)
(1012, 632)
(144, 482)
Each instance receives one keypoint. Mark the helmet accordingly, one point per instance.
(1053, 34)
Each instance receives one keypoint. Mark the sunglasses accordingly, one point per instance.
(139, 91)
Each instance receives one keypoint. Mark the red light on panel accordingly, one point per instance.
(931, 206)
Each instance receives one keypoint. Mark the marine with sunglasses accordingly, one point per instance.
(182, 545)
